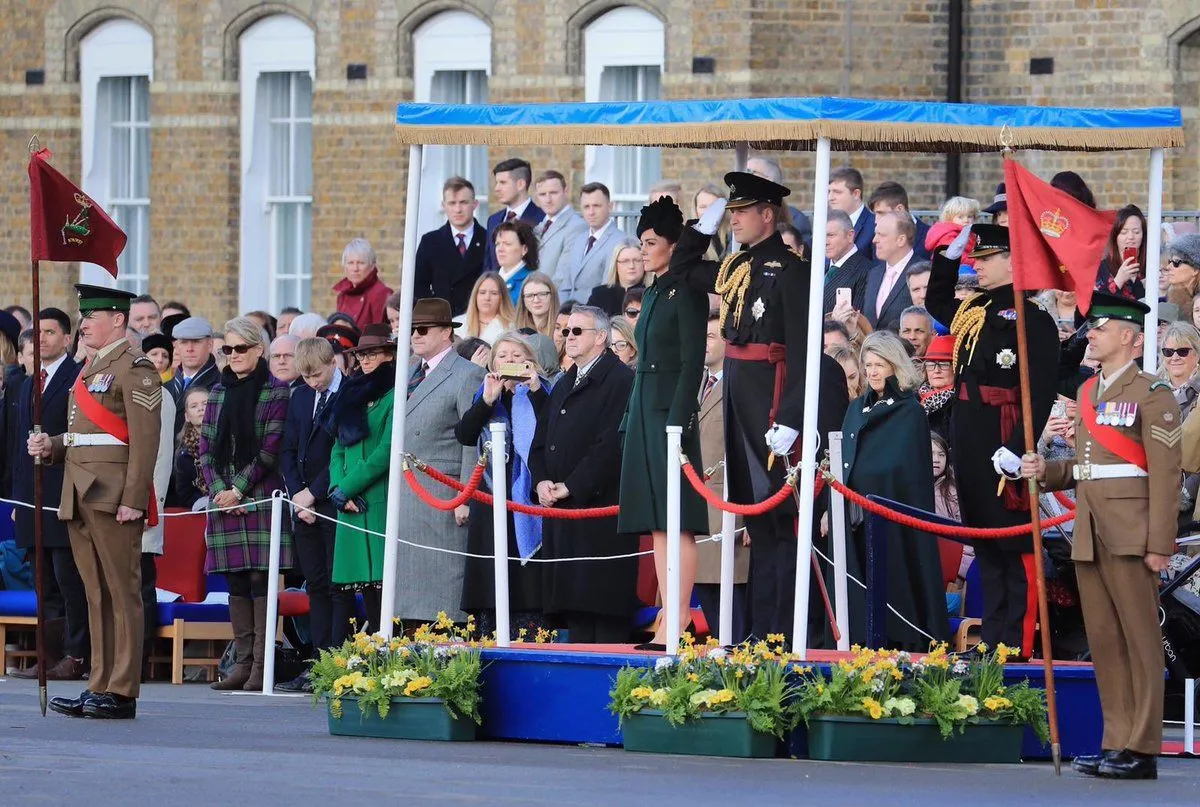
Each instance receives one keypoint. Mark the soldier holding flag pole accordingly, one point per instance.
(109, 450)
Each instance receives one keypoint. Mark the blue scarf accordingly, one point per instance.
(521, 423)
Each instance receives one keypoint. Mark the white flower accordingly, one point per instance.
(960, 667)
(354, 661)
(877, 685)
(664, 663)
(903, 657)
(717, 652)
(441, 651)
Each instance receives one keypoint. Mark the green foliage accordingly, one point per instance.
(754, 680)
(438, 662)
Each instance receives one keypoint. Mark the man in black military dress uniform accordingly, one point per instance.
(764, 315)
(987, 418)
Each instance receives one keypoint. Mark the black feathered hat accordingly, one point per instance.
(664, 217)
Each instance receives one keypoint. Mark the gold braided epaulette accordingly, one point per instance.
(966, 325)
(733, 283)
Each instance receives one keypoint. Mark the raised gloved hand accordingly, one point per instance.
(1006, 463)
(711, 220)
(959, 245)
(780, 439)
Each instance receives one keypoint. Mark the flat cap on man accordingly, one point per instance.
(192, 328)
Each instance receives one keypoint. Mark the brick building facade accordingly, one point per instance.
(199, 96)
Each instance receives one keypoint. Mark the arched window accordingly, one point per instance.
(452, 59)
(277, 58)
(624, 54)
(116, 65)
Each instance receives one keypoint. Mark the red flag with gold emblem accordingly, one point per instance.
(65, 224)
(1057, 241)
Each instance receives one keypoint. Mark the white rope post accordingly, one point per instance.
(391, 546)
(1189, 716)
(728, 547)
(1153, 253)
(837, 537)
(500, 530)
(812, 378)
(273, 592)
(671, 595)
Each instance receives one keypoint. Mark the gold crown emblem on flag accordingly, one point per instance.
(1053, 225)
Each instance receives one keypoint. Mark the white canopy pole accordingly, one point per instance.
(812, 380)
(1153, 253)
(391, 547)
(273, 591)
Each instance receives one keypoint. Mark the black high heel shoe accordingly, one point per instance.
(656, 647)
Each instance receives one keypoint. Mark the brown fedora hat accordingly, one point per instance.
(374, 337)
(433, 311)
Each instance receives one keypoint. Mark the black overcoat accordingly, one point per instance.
(666, 390)
(975, 426)
(577, 443)
(886, 450)
(54, 421)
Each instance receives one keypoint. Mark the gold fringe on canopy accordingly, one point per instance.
(801, 136)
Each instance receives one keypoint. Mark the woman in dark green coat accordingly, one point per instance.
(671, 337)
(887, 452)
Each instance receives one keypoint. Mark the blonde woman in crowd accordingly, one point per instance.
(537, 304)
(623, 342)
(1180, 356)
(490, 311)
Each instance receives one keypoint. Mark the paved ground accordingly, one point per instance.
(190, 746)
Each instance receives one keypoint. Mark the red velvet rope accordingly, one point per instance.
(486, 498)
(716, 501)
(467, 491)
(942, 529)
(1064, 500)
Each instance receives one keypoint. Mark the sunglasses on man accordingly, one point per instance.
(575, 331)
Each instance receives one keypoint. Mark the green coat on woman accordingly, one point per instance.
(361, 470)
(670, 337)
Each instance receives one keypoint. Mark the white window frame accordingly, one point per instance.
(450, 41)
(277, 44)
(623, 37)
(114, 49)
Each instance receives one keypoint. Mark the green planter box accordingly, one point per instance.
(859, 739)
(721, 735)
(408, 719)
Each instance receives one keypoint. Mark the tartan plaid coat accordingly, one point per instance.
(238, 543)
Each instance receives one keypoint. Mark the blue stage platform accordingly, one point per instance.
(559, 694)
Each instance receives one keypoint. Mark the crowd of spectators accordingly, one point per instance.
(531, 318)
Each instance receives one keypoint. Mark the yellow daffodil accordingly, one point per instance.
(722, 696)
(417, 685)
(996, 703)
(339, 661)
(873, 708)
(641, 693)
(695, 679)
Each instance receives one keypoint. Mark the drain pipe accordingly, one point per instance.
(954, 75)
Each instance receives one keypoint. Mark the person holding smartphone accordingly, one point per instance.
(1123, 269)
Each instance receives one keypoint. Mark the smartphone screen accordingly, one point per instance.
(843, 297)
(1130, 252)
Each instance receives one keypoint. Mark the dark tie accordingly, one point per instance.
(591, 243)
(417, 377)
(462, 245)
(45, 376)
(709, 382)
(512, 214)
(321, 401)
(546, 226)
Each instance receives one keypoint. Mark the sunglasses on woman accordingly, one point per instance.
(575, 331)
(1182, 352)
(241, 350)
(1178, 263)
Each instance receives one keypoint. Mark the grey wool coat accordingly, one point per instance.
(427, 581)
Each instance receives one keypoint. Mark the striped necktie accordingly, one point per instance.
(417, 377)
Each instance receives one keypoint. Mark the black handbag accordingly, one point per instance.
(1179, 617)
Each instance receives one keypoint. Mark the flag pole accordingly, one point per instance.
(35, 381)
(1036, 524)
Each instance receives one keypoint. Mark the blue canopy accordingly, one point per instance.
(794, 124)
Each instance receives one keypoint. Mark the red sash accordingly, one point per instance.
(108, 422)
(1124, 447)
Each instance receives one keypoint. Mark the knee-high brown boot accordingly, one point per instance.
(241, 617)
(255, 682)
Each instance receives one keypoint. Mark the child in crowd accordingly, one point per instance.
(945, 504)
(957, 212)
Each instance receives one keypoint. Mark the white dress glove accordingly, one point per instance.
(959, 245)
(1006, 463)
(780, 439)
(711, 219)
